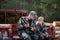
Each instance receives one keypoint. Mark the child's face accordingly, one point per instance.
(41, 21)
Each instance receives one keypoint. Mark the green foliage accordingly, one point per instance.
(49, 9)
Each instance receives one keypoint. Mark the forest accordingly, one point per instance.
(49, 9)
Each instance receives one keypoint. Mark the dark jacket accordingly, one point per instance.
(22, 28)
(40, 28)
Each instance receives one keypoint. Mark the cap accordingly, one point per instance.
(33, 13)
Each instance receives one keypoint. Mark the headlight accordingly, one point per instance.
(54, 24)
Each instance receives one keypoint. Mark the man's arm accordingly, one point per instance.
(20, 25)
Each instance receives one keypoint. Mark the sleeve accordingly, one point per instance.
(20, 25)
(45, 30)
(37, 29)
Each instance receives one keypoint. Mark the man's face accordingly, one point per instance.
(31, 16)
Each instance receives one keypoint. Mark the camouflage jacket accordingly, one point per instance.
(41, 28)
(22, 28)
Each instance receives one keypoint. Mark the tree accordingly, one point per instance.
(49, 9)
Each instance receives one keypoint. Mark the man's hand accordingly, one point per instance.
(26, 25)
(32, 28)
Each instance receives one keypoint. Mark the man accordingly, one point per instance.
(41, 29)
(26, 26)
